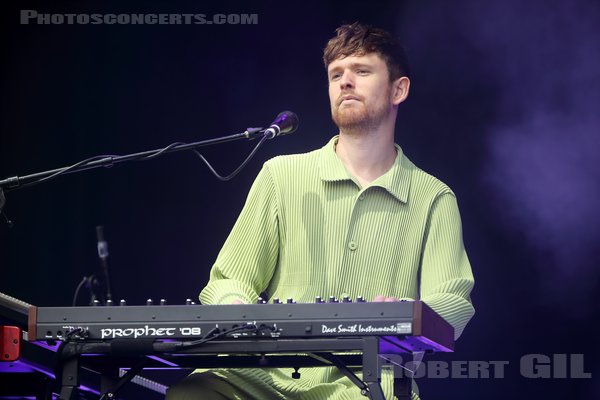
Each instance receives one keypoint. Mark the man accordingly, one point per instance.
(354, 218)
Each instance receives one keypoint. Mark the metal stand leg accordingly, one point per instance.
(45, 392)
(372, 368)
(345, 370)
(402, 375)
(107, 382)
(403, 387)
(110, 387)
(70, 378)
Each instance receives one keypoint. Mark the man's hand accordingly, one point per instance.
(237, 301)
(381, 298)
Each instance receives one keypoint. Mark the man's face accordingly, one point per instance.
(360, 91)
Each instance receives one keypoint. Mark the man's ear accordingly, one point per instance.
(400, 89)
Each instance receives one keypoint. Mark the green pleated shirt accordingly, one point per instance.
(309, 229)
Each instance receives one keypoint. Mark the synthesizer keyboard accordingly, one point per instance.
(281, 320)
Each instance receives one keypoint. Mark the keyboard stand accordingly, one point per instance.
(246, 353)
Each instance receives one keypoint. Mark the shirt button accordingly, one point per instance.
(352, 245)
(361, 197)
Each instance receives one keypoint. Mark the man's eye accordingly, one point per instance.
(335, 77)
(362, 72)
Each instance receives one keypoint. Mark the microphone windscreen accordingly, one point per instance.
(287, 121)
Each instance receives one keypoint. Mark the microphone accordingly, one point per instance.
(286, 122)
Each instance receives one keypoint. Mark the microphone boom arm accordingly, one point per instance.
(16, 182)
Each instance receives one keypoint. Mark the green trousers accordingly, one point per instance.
(266, 384)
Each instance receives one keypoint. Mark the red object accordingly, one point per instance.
(10, 343)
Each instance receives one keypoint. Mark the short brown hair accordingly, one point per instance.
(358, 39)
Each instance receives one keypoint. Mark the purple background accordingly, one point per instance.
(501, 108)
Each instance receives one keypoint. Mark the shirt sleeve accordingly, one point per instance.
(446, 276)
(248, 258)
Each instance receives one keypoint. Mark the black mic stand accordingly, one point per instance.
(2, 214)
(16, 182)
(285, 123)
(103, 255)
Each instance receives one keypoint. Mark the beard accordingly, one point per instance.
(359, 118)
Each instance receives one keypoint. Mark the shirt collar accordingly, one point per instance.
(396, 181)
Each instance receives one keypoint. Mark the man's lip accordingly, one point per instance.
(344, 98)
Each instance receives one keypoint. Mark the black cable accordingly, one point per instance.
(161, 151)
(238, 169)
(211, 336)
(77, 333)
(210, 167)
(67, 169)
(77, 290)
(150, 157)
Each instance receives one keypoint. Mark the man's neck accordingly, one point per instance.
(367, 156)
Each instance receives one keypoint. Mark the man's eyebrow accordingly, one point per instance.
(353, 66)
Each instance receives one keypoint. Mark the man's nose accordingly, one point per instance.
(346, 81)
